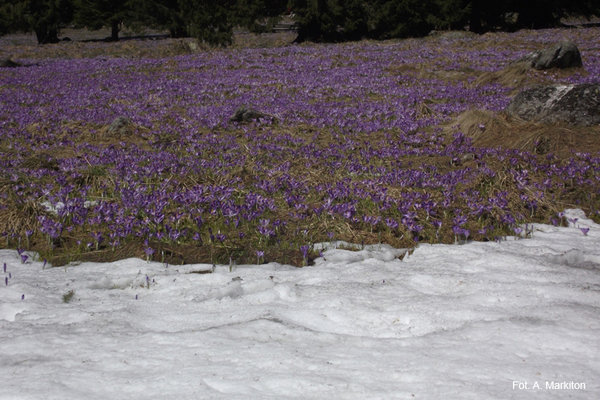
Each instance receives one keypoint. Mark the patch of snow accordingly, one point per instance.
(516, 319)
(55, 208)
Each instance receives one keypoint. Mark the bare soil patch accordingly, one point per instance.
(84, 43)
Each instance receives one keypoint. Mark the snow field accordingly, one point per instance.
(479, 320)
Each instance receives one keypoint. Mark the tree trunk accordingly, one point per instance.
(46, 35)
(114, 31)
(178, 32)
(475, 17)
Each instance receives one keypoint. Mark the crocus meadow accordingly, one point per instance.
(352, 149)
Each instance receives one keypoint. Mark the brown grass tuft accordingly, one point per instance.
(490, 129)
(517, 75)
(520, 75)
(18, 219)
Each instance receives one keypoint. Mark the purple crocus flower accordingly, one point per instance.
(264, 228)
(304, 250)
(97, 236)
(148, 250)
(391, 223)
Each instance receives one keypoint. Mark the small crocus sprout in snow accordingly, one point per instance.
(148, 250)
(584, 231)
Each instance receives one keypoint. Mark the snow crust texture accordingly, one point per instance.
(517, 319)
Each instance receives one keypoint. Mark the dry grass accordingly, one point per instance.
(516, 76)
(520, 75)
(20, 218)
(491, 129)
(424, 71)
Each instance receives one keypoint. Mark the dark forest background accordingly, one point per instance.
(315, 20)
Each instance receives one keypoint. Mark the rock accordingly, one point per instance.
(245, 115)
(122, 132)
(562, 55)
(573, 104)
(193, 46)
(8, 63)
(121, 126)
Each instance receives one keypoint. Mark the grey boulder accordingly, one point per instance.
(246, 114)
(121, 126)
(572, 104)
(561, 55)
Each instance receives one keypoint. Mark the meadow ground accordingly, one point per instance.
(398, 142)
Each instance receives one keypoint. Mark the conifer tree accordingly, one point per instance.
(12, 17)
(95, 14)
(44, 17)
(209, 20)
(160, 14)
(258, 15)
